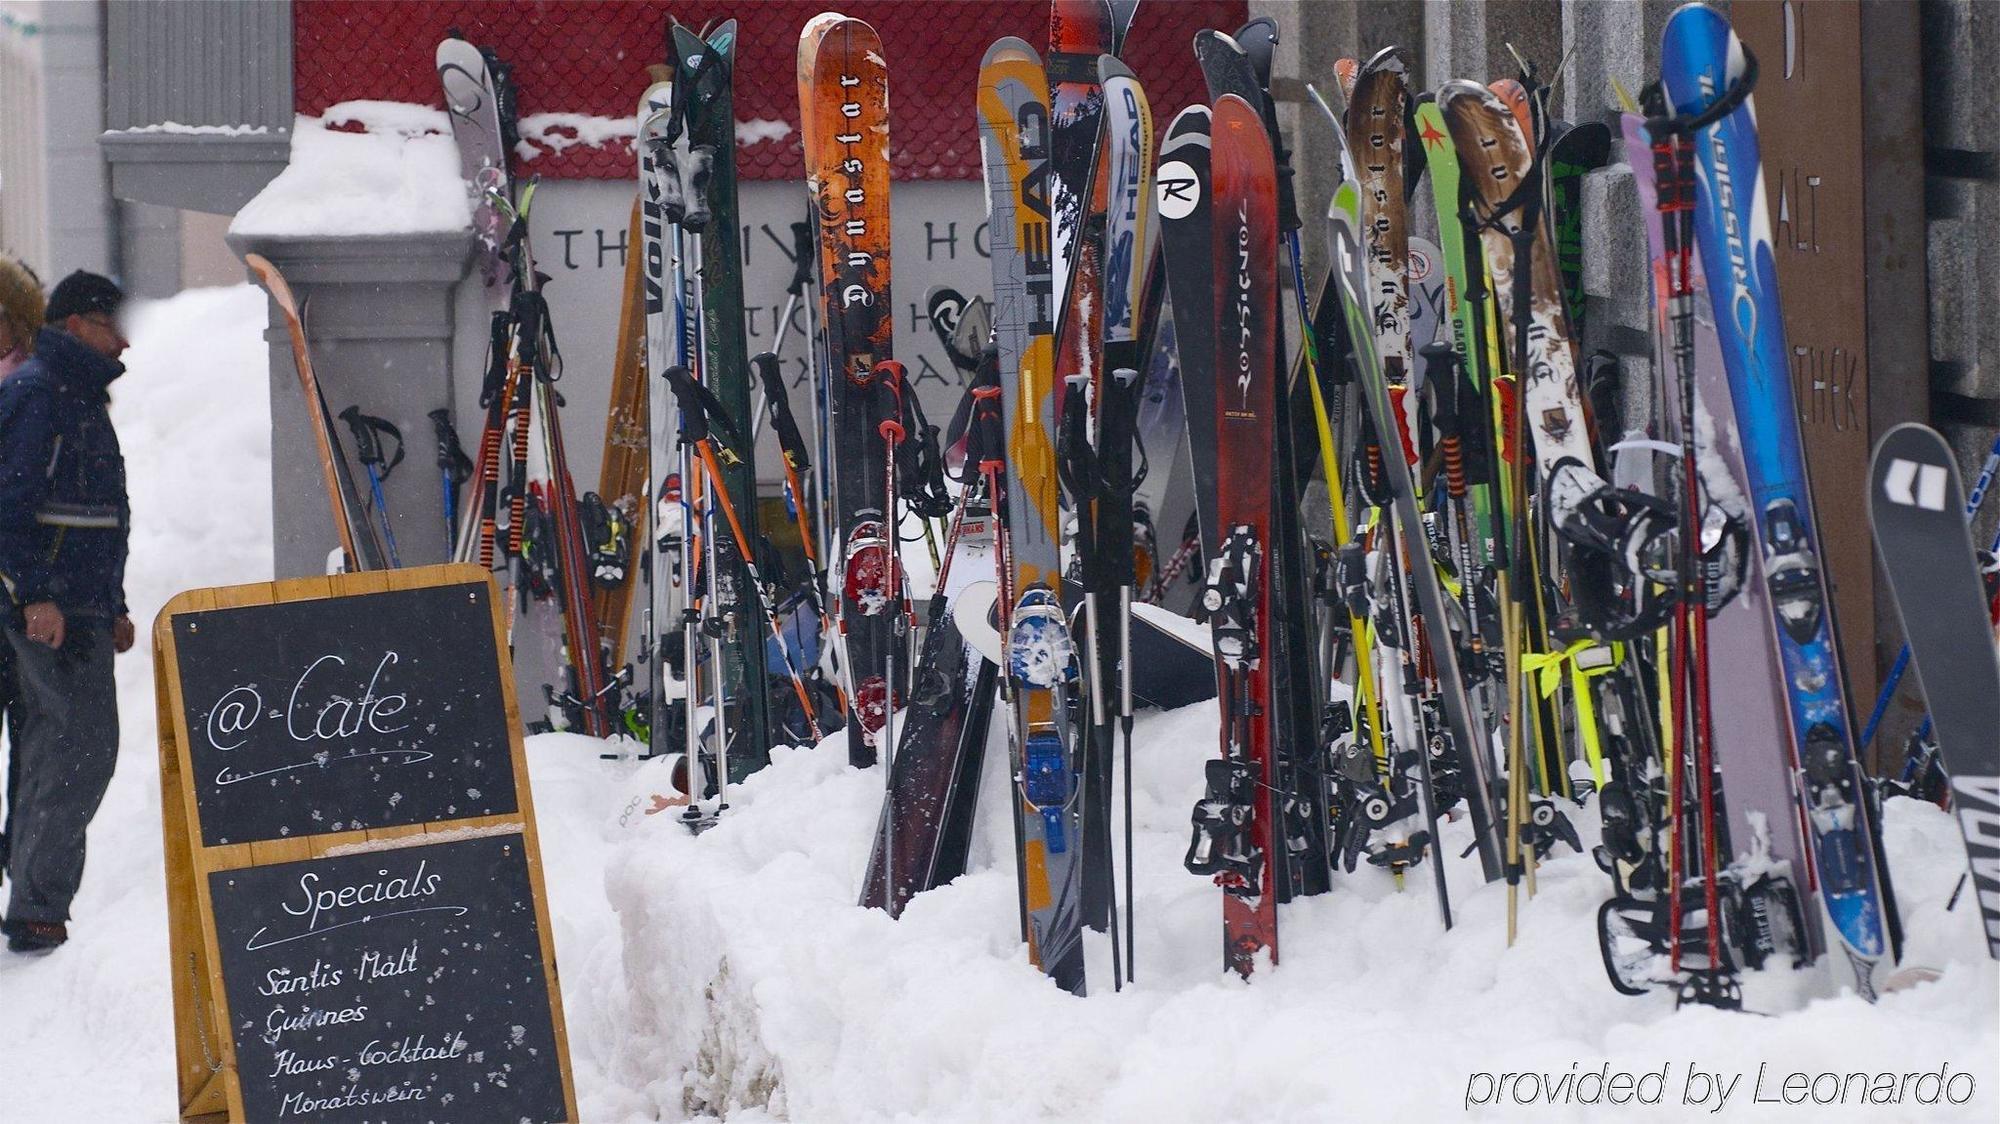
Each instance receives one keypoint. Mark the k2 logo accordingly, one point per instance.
(1914, 484)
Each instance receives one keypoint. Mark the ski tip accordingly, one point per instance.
(1460, 90)
(1388, 60)
(1697, 40)
(1111, 66)
(1192, 120)
(1208, 40)
(1010, 48)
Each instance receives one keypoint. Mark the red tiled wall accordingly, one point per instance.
(579, 57)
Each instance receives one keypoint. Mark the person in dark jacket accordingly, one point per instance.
(64, 524)
(22, 306)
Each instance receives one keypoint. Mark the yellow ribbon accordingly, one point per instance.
(1547, 667)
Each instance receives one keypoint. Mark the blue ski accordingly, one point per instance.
(1706, 72)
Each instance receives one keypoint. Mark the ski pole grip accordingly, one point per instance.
(365, 449)
(694, 419)
(890, 373)
(765, 363)
(695, 174)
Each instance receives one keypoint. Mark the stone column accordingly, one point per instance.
(379, 325)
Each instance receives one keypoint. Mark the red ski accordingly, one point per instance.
(1232, 824)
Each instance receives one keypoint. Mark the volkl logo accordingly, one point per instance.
(1977, 802)
(1914, 484)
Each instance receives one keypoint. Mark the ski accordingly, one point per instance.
(1014, 137)
(1181, 198)
(1352, 274)
(844, 99)
(1235, 826)
(935, 777)
(1915, 501)
(704, 77)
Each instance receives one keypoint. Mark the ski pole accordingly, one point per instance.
(454, 468)
(696, 414)
(368, 433)
(794, 291)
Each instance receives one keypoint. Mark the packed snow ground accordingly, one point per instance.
(732, 974)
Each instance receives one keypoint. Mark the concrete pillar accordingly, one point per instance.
(76, 184)
(378, 321)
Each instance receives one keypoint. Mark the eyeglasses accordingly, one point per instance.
(103, 320)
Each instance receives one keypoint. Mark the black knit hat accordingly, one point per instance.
(82, 293)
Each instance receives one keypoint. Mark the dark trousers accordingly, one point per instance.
(66, 743)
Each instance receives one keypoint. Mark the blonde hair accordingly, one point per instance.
(21, 304)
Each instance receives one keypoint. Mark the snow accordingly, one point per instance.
(758, 990)
(398, 176)
(178, 129)
(762, 129)
(732, 974)
(558, 131)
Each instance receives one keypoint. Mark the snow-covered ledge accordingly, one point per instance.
(370, 224)
(201, 168)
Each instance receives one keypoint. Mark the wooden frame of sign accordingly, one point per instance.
(265, 812)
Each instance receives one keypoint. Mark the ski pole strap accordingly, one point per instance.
(1584, 660)
(1074, 460)
(534, 335)
(667, 179)
(718, 427)
(964, 420)
(498, 332)
(369, 432)
(1660, 123)
(696, 172)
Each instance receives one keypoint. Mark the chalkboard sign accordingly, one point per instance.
(399, 984)
(368, 711)
(356, 912)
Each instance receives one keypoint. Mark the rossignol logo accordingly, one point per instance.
(1243, 281)
(1176, 190)
(1914, 484)
(1742, 302)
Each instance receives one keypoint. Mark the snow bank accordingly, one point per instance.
(399, 175)
(759, 990)
(86, 1033)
